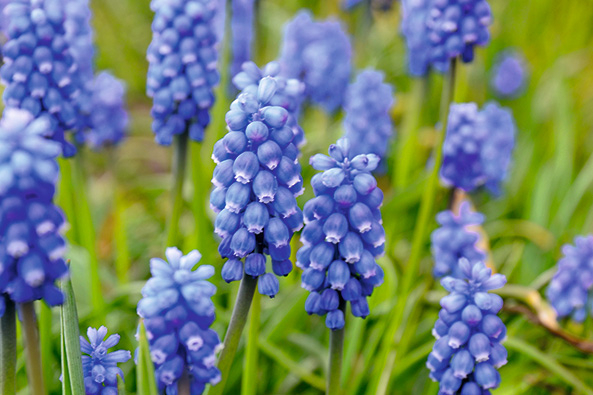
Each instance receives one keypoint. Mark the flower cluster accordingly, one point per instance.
(182, 69)
(478, 146)
(342, 236)
(368, 122)
(509, 75)
(415, 31)
(242, 33)
(100, 366)
(31, 244)
(257, 179)
(319, 54)
(177, 312)
(467, 352)
(569, 291)
(456, 239)
(40, 69)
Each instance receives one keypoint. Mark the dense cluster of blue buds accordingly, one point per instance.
(40, 70)
(456, 238)
(569, 291)
(478, 146)
(368, 122)
(182, 69)
(343, 235)
(99, 366)
(468, 350)
(319, 54)
(177, 310)
(440, 30)
(31, 226)
(509, 75)
(242, 33)
(257, 179)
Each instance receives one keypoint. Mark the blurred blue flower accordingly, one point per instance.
(343, 235)
(468, 350)
(182, 69)
(100, 366)
(509, 75)
(415, 31)
(40, 70)
(368, 122)
(347, 4)
(257, 179)
(242, 33)
(478, 147)
(570, 291)
(79, 34)
(31, 226)
(177, 310)
(456, 238)
(319, 54)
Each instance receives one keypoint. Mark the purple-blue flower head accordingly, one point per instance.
(182, 71)
(368, 121)
(40, 70)
(343, 235)
(79, 34)
(177, 310)
(468, 350)
(257, 179)
(99, 366)
(570, 291)
(242, 33)
(478, 146)
(509, 75)
(415, 31)
(456, 238)
(319, 54)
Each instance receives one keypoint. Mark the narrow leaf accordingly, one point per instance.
(145, 368)
(71, 355)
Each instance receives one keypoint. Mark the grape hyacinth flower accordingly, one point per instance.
(257, 179)
(569, 291)
(415, 31)
(242, 33)
(40, 70)
(177, 310)
(509, 75)
(182, 69)
(100, 366)
(343, 235)
(368, 122)
(468, 350)
(478, 146)
(319, 54)
(31, 226)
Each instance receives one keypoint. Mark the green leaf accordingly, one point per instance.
(73, 380)
(145, 367)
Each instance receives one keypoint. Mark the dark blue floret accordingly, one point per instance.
(343, 235)
(183, 71)
(178, 311)
(468, 350)
(509, 75)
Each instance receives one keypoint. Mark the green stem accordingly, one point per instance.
(45, 338)
(336, 351)
(184, 385)
(426, 213)
(8, 360)
(32, 350)
(249, 379)
(180, 158)
(233, 335)
(406, 148)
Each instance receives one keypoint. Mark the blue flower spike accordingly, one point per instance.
(182, 71)
(258, 177)
(99, 366)
(456, 238)
(569, 291)
(469, 333)
(242, 33)
(478, 146)
(343, 235)
(509, 75)
(177, 310)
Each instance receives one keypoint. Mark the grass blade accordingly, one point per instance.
(145, 368)
(70, 334)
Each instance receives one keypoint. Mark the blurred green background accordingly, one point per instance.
(546, 202)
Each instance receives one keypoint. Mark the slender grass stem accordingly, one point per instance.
(249, 379)
(32, 350)
(336, 351)
(381, 376)
(233, 335)
(8, 360)
(179, 158)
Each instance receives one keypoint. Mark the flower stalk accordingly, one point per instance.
(179, 165)
(32, 349)
(336, 352)
(8, 360)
